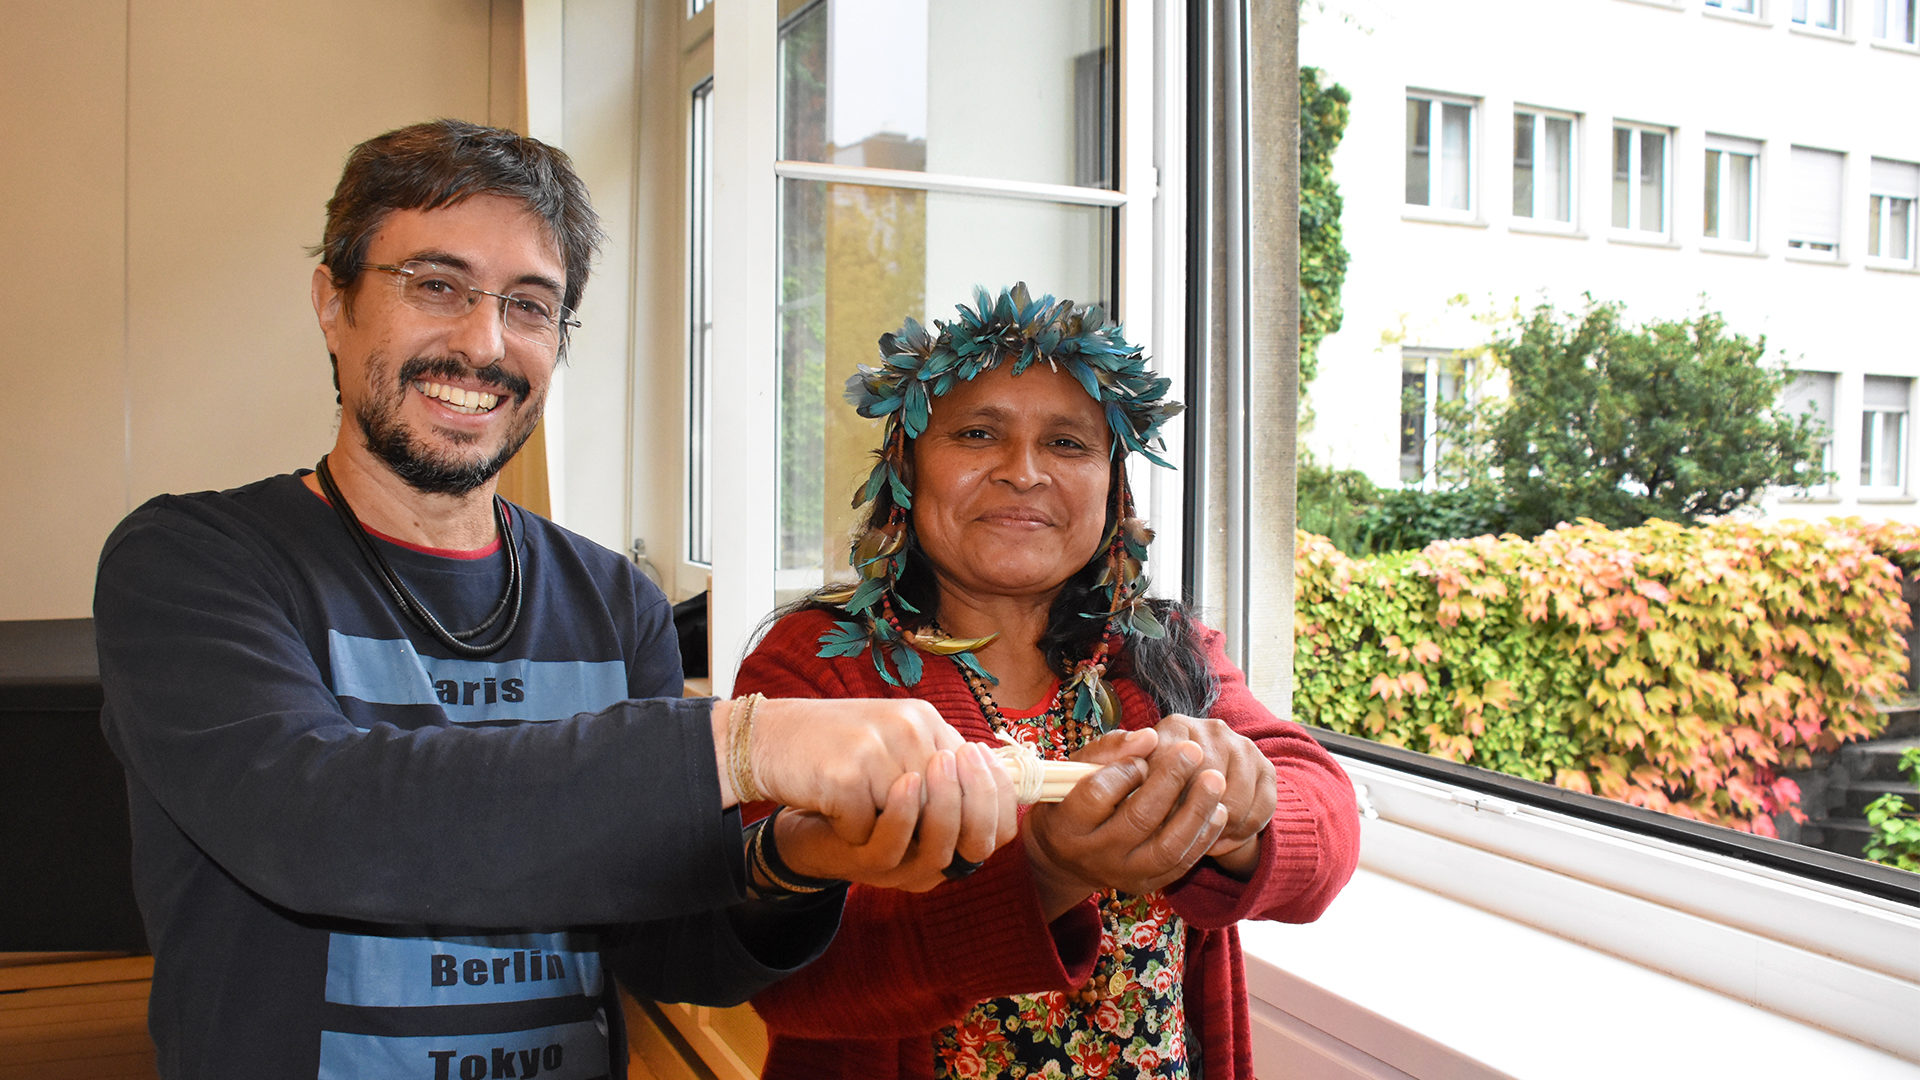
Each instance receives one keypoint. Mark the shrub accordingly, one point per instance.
(1896, 830)
(1685, 669)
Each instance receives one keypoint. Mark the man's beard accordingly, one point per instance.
(389, 439)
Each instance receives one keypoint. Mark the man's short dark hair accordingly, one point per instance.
(443, 162)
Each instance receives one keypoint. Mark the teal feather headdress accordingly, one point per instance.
(918, 365)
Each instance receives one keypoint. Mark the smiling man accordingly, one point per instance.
(411, 781)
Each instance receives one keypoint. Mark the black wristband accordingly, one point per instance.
(764, 853)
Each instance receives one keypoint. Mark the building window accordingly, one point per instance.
(1813, 229)
(1883, 434)
(699, 480)
(893, 202)
(1640, 179)
(1543, 166)
(1811, 394)
(1894, 185)
(1893, 20)
(1440, 176)
(1742, 7)
(1731, 176)
(1430, 381)
(1824, 14)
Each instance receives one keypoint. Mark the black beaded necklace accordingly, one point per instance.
(461, 642)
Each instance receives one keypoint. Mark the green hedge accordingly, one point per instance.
(1684, 669)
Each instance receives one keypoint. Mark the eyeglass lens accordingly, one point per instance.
(440, 290)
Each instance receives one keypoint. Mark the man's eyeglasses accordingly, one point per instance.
(450, 294)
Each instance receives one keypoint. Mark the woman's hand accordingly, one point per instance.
(1250, 792)
(1135, 826)
(968, 812)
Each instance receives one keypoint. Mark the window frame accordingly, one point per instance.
(1433, 440)
(1638, 132)
(1540, 116)
(1727, 146)
(1873, 430)
(1824, 489)
(748, 170)
(1756, 12)
(1880, 228)
(1436, 158)
(1805, 247)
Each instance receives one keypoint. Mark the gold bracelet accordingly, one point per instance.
(740, 749)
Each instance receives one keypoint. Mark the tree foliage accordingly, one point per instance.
(1677, 420)
(1323, 254)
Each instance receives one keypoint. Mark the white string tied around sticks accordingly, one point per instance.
(1035, 779)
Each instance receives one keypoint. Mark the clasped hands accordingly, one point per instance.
(885, 792)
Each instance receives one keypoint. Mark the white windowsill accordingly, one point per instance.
(1814, 258)
(1483, 938)
(1887, 500)
(1714, 247)
(1810, 500)
(1890, 267)
(1427, 217)
(1530, 228)
(1735, 16)
(1896, 46)
(1670, 5)
(1648, 240)
(1840, 36)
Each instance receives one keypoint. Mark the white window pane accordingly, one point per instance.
(1892, 447)
(855, 261)
(1876, 224)
(897, 101)
(1622, 177)
(699, 481)
(1455, 161)
(1900, 229)
(1815, 221)
(1419, 151)
(1556, 169)
(1653, 181)
(1740, 197)
(1523, 125)
(1710, 226)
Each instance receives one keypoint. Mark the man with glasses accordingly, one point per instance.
(411, 779)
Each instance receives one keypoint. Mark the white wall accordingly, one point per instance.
(165, 166)
(1673, 65)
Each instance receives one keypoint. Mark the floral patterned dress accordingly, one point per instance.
(1127, 1022)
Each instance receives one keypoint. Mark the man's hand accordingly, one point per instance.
(840, 758)
(1135, 826)
(968, 811)
(1251, 791)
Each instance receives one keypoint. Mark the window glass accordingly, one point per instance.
(1640, 179)
(1824, 14)
(1419, 151)
(1444, 180)
(1542, 166)
(856, 259)
(1894, 186)
(1015, 91)
(1728, 181)
(1811, 393)
(699, 486)
(1893, 20)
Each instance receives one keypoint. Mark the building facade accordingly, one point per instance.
(1751, 157)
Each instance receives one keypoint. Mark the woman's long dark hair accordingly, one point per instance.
(1173, 670)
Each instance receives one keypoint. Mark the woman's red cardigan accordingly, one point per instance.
(906, 964)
